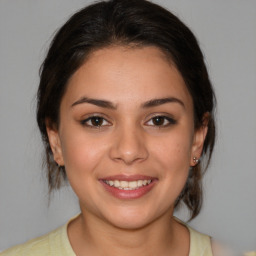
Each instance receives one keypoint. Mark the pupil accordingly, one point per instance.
(97, 121)
(159, 120)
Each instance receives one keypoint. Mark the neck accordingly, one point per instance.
(92, 236)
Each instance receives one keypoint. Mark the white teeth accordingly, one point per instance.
(140, 183)
(133, 184)
(123, 184)
(116, 183)
(127, 185)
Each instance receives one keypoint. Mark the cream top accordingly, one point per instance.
(57, 243)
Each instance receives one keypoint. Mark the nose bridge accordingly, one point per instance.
(129, 144)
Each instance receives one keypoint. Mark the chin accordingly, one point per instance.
(130, 223)
(131, 219)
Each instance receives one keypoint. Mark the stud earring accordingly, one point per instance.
(195, 160)
(61, 168)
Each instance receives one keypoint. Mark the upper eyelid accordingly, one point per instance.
(169, 118)
(84, 120)
(166, 115)
(110, 120)
(91, 115)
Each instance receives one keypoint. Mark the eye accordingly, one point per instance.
(95, 121)
(163, 121)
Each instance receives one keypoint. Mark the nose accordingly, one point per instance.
(129, 146)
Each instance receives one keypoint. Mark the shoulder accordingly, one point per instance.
(204, 244)
(200, 244)
(38, 246)
(48, 244)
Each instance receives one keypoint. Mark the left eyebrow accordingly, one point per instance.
(158, 102)
(97, 102)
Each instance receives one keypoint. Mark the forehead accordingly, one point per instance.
(119, 72)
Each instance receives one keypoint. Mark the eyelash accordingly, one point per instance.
(90, 119)
(165, 121)
(168, 121)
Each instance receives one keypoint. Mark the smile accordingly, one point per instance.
(127, 185)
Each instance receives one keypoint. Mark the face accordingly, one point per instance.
(126, 135)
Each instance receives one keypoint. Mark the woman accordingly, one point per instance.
(125, 109)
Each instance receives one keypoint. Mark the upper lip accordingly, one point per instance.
(128, 177)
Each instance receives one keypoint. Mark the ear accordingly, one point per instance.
(54, 139)
(198, 142)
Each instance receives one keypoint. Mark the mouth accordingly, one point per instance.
(128, 187)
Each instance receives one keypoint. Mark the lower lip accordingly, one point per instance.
(128, 194)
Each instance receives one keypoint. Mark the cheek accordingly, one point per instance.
(81, 153)
(173, 157)
(174, 149)
(82, 157)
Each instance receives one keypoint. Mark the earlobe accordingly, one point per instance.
(198, 143)
(55, 144)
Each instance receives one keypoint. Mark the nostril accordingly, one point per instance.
(128, 148)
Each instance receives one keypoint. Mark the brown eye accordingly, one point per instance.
(161, 121)
(95, 122)
(158, 120)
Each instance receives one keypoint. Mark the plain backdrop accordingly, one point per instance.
(226, 31)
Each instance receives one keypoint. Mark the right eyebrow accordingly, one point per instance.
(97, 102)
(161, 101)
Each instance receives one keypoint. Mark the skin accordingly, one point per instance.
(130, 140)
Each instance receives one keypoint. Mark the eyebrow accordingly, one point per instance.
(110, 105)
(158, 102)
(97, 102)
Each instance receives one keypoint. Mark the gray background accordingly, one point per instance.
(227, 34)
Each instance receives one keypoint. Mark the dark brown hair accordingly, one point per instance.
(126, 22)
